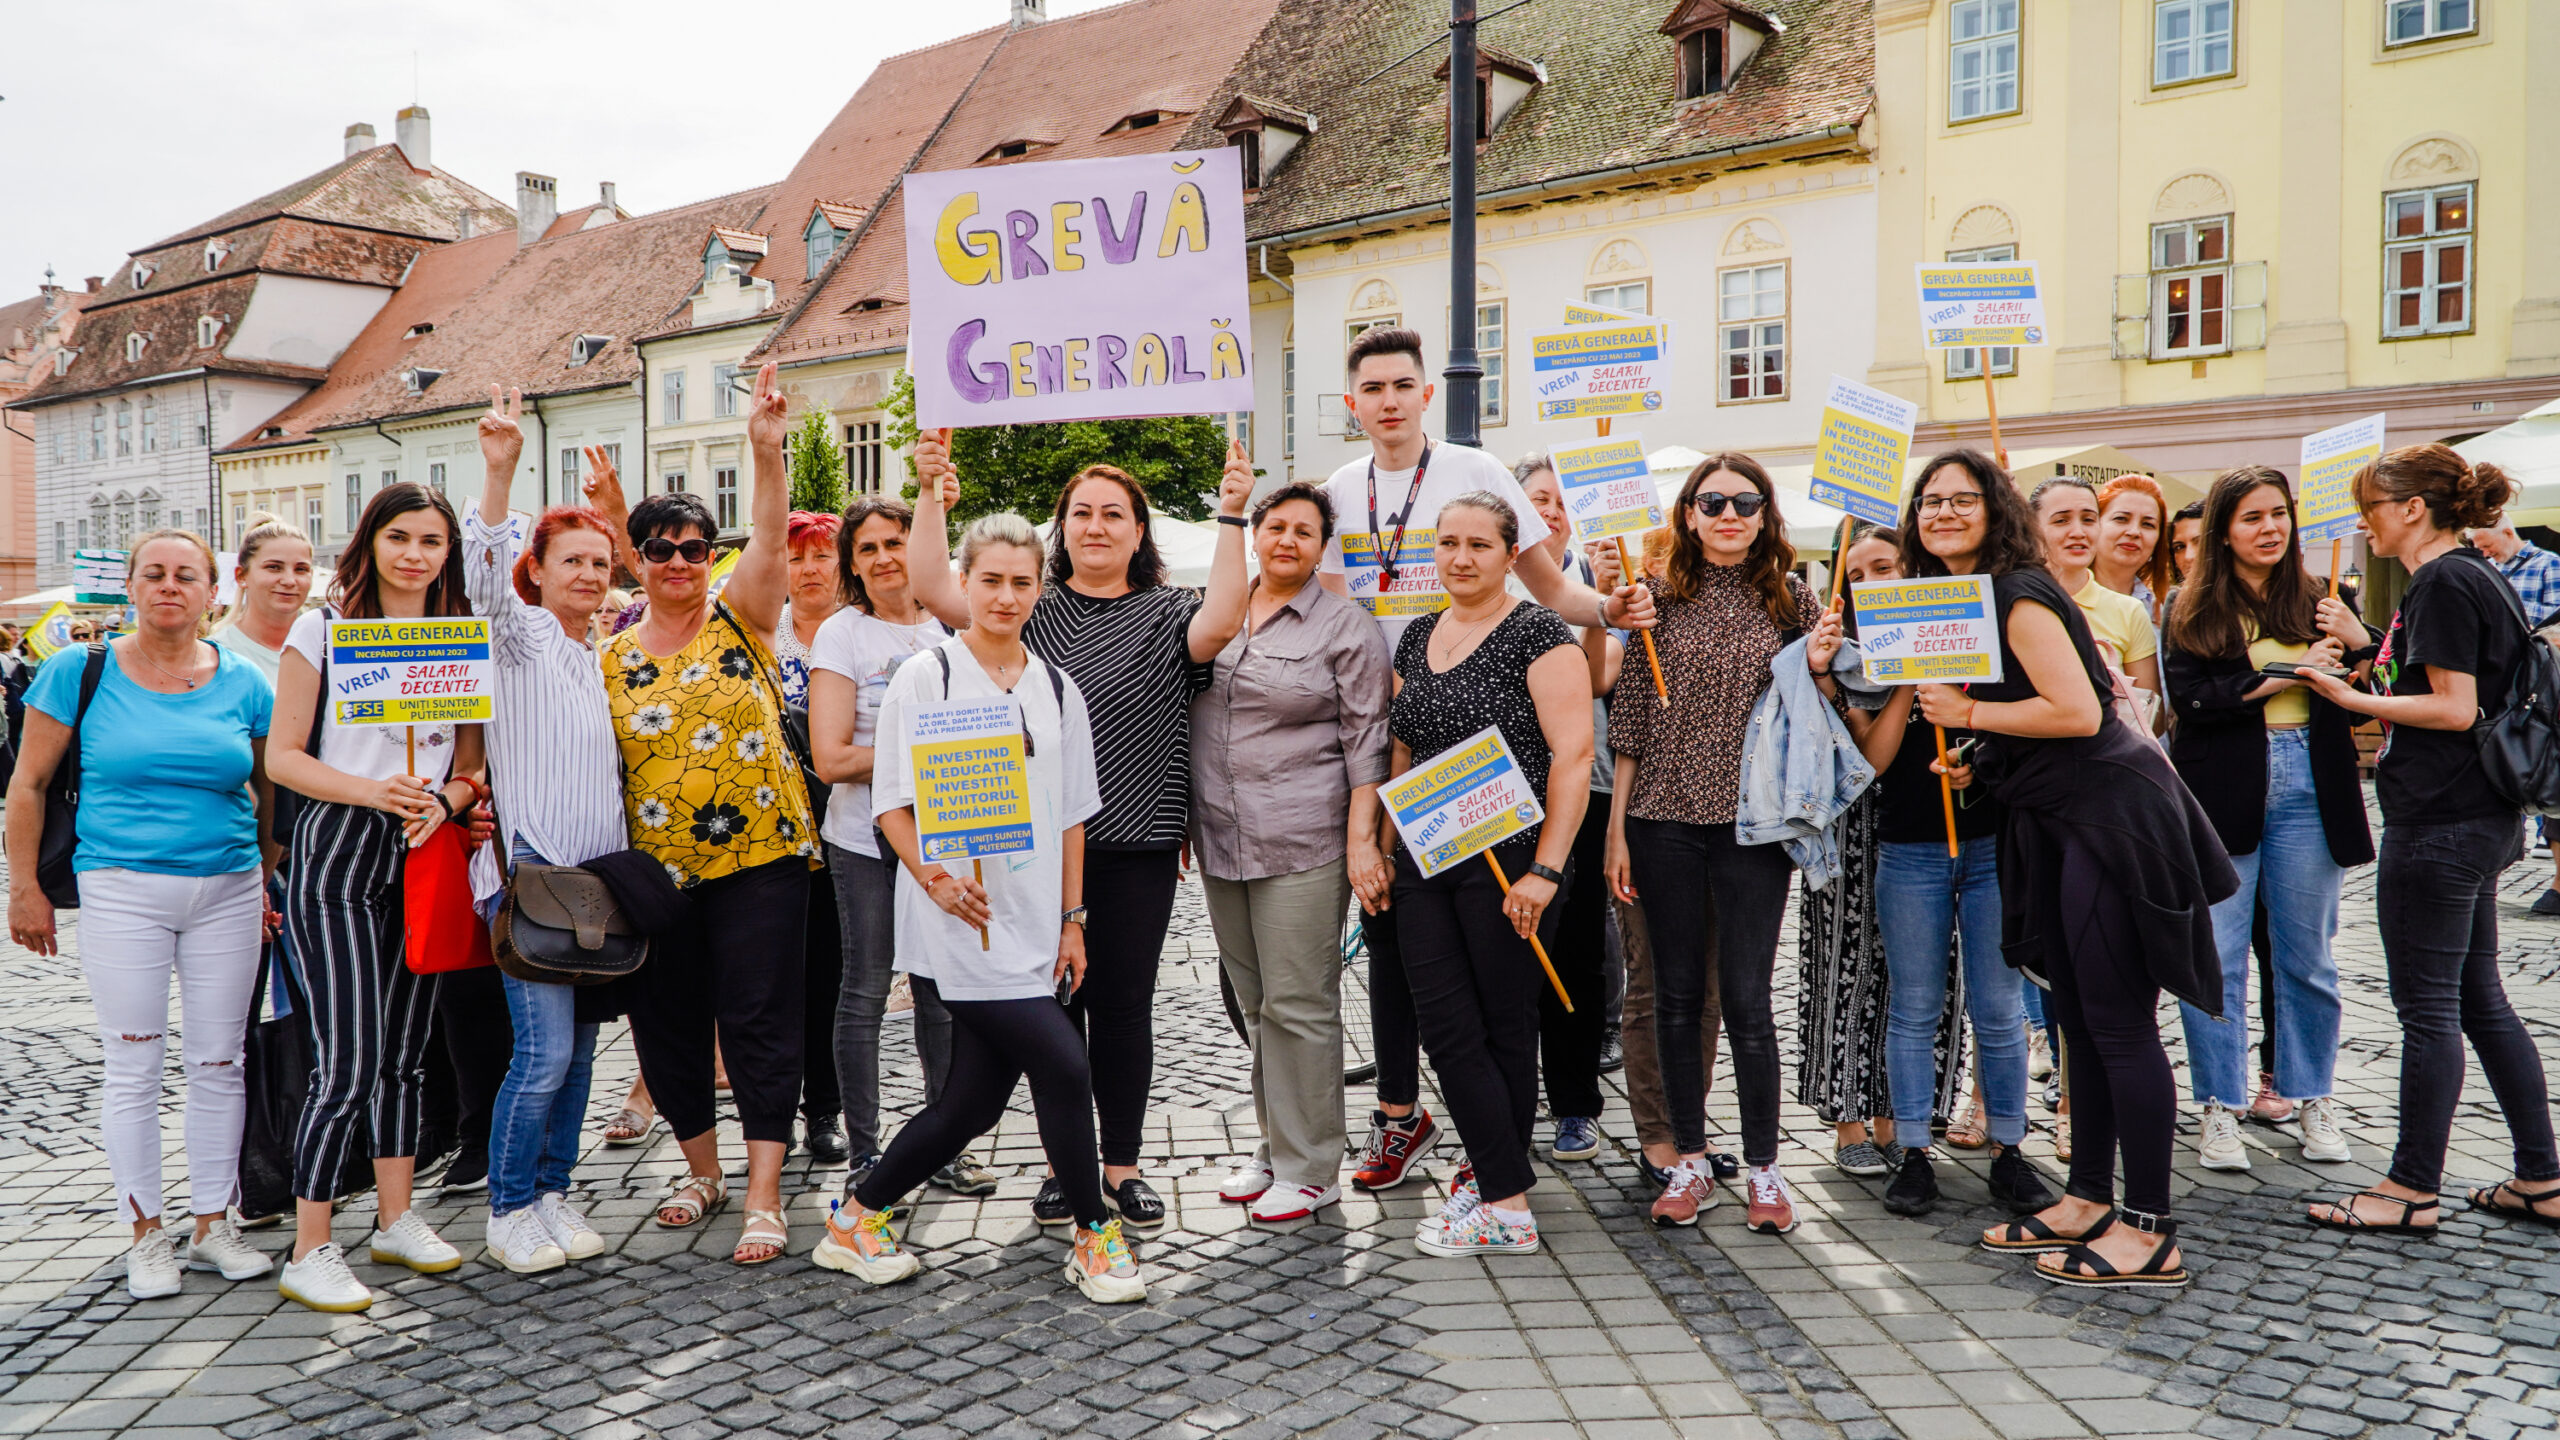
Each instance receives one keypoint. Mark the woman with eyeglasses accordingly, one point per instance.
(714, 794)
(2107, 873)
(1726, 604)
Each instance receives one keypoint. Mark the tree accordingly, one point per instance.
(1175, 459)
(817, 466)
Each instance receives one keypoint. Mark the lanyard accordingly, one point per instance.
(1388, 554)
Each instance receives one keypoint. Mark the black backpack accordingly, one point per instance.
(62, 799)
(2519, 739)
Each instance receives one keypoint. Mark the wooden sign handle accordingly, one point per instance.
(978, 872)
(413, 748)
(1946, 790)
(1991, 402)
(2333, 567)
(1552, 978)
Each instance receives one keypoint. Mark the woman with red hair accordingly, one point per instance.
(2133, 524)
(816, 594)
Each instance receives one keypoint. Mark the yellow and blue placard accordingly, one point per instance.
(972, 778)
(411, 672)
(1416, 587)
(1587, 372)
(1942, 631)
(1607, 489)
(2324, 501)
(1466, 799)
(1964, 307)
(1859, 454)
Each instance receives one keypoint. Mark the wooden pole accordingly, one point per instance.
(978, 872)
(1991, 402)
(2333, 567)
(1946, 790)
(1840, 558)
(1552, 978)
(1627, 576)
(413, 748)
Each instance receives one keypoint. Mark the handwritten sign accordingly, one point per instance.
(1607, 489)
(2325, 499)
(1859, 454)
(411, 672)
(972, 779)
(1590, 371)
(1942, 632)
(1963, 307)
(1469, 798)
(1078, 289)
(97, 576)
(1415, 590)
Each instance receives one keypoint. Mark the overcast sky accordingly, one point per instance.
(138, 118)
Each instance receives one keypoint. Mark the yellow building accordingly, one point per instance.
(2252, 220)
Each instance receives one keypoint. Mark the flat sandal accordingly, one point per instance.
(2486, 1201)
(763, 1227)
(692, 1196)
(2085, 1268)
(2031, 1236)
(2354, 1223)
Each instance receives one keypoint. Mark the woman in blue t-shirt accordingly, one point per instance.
(172, 781)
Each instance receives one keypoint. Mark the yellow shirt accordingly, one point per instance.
(2119, 622)
(710, 784)
(2292, 704)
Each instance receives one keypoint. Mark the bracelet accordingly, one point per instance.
(449, 812)
(1971, 708)
(1237, 521)
(1547, 872)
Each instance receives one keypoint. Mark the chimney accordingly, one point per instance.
(613, 207)
(359, 139)
(1028, 12)
(468, 224)
(96, 282)
(537, 205)
(411, 128)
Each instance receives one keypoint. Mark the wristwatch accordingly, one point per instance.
(1547, 872)
(1237, 521)
(1072, 917)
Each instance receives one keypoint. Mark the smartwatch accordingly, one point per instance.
(1547, 872)
(1237, 521)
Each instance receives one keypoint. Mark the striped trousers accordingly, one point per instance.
(369, 1012)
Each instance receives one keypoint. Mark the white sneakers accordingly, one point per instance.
(322, 1281)
(519, 1241)
(2322, 1140)
(2039, 1055)
(151, 1267)
(225, 1252)
(1246, 1183)
(569, 1230)
(2218, 1144)
(1284, 1202)
(411, 1242)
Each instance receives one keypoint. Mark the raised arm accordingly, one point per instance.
(929, 573)
(605, 495)
(501, 447)
(1221, 612)
(760, 582)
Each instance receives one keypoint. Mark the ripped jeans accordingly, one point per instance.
(135, 929)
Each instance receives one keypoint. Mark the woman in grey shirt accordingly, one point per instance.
(1289, 743)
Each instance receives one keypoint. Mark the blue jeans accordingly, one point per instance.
(2291, 870)
(1924, 900)
(534, 1123)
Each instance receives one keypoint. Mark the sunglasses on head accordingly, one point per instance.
(658, 550)
(1711, 503)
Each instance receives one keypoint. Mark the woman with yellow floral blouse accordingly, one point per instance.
(714, 793)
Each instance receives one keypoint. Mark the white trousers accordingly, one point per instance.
(135, 929)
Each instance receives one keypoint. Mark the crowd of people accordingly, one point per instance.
(1995, 883)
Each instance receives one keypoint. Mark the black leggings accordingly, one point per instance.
(822, 981)
(733, 966)
(993, 1044)
(1710, 899)
(1475, 987)
(1394, 1037)
(2104, 999)
(1129, 894)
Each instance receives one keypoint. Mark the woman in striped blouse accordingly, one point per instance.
(558, 776)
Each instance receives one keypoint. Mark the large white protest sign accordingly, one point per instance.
(1078, 290)
(1467, 798)
(1965, 307)
(1592, 371)
(411, 672)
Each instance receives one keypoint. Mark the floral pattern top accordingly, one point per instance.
(710, 785)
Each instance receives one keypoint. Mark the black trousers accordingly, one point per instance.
(1569, 1044)
(1393, 1036)
(734, 967)
(480, 1041)
(821, 982)
(1475, 988)
(371, 1015)
(2436, 893)
(995, 1043)
(2122, 1094)
(1129, 896)
(1709, 898)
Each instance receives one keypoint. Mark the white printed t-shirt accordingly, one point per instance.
(866, 650)
(368, 752)
(1025, 892)
(1453, 470)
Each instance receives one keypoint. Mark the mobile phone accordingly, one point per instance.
(2293, 669)
(1961, 754)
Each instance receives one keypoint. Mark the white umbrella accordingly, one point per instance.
(2529, 451)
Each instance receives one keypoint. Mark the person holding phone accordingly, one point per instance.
(1003, 954)
(2275, 766)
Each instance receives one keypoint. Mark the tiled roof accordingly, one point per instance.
(376, 189)
(1074, 78)
(279, 245)
(1607, 103)
(740, 242)
(22, 320)
(516, 327)
(170, 322)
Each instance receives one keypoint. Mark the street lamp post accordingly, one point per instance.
(1465, 371)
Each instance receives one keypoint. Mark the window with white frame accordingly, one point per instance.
(124, 522)
(150, 504)
(94, 523)
(133, 346)
(1489, 350)
(2426, 261)
(724, 390)
(1288, 402)
(1240, 425)
(61, 447)
(2190, 40)
(865, 458)
(1966, 363)
(124, 428)
(435, 476)
(97, 432)
(569, 457)
(208, 330)
(671, 482)
(150, 424)
(671, 398)
(389, 479)
(61, 543)
(2191, 288)
(2411, 21)
(1633, 296)
(1354, 329)
(239, 521)
(1982, 59)
(724, 497)
(1751, 315)
(314, 522)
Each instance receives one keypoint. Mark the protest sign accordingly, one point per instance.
(972, 781)
(2324, 498)
(1588, 372)
(1966, 306)
(1414, 589)
(411, 672)
(1941, 632)
(1078, 289)
(1859, 454)
(51, 631)
(1578, 312)
(1465, 799)
(1607, 489)
(97, 577)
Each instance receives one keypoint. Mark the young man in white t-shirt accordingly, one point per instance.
(1385, 513)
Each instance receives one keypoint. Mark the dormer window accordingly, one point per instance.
(215, 252)
(1141, 120)
(1502, 82)
(420, 330)
(1263, 132)
(822, 239)
(62, 362)
(1701, 62)
(1711, 40)
(866, 305)
(134, 345)
(581, 350)
(737, 249)
(142, 273)
(420, 378)
(208, 330)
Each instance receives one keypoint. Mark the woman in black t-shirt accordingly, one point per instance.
(2446, 835)
(2092, 812)
(1490, 659)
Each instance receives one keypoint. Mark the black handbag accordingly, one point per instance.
(561, 925)
(277, 1068)
(62, 799)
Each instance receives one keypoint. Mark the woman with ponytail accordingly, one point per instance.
(2447, 834)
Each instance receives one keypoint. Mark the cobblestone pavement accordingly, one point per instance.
(1860, 1324)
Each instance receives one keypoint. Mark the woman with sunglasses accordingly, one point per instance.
(1727, 603)
(2108, 871)
(713, 793)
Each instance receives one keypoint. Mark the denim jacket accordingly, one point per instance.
(1801, 770)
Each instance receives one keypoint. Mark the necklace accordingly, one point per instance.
(165, 670)
(1452, 653)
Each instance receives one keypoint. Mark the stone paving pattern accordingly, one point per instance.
(1861, 1324)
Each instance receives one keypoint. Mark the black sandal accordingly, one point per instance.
(2096, 1272)
(2357, 1224)
(2032, 1236)
(1139, 1206)
(2486, 1201)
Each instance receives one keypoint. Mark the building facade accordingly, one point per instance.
(32, 331)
